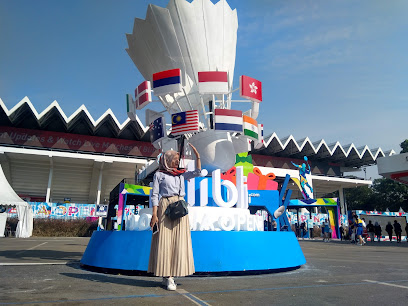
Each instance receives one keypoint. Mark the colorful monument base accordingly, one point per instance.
(214, 251)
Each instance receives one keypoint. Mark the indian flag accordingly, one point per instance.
(250, 127)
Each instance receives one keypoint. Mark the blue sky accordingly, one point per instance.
(333, 70)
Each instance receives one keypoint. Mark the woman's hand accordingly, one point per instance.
(154, 220)
(198, 161)
(194, 150)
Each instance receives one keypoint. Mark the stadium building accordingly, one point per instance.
(48, 156)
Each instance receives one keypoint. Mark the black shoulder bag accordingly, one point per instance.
(177, 209)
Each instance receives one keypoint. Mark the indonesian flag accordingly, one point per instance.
(250, 127)
(213, 82)
(250, 88)
(143, 94)
(167, 82)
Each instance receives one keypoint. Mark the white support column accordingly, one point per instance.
(343, 209)
(47, 197)
(98, 194)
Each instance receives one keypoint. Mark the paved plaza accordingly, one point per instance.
(47, 271)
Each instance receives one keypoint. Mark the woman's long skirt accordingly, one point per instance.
(171, 251)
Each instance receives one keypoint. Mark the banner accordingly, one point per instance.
(317, 219)
(75, 142)
(66, 210)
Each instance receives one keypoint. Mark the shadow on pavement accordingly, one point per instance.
(41, 254)
(117, 280)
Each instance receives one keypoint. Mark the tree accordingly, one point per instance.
(404, 146)
(360, 198)
(383, 194)
(390, 194)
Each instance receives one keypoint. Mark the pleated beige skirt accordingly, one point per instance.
(171, 251)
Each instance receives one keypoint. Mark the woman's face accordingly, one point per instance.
(175, 161)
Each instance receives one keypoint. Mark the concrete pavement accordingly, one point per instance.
(46, 271)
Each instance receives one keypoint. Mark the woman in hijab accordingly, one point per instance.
(171, 252)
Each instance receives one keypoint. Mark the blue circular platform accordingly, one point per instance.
(214, 251)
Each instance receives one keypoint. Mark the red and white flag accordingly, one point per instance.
(213, 82)
(184, 122)
(250, 88)
(143, 94)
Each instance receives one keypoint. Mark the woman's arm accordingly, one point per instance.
(197, 172)
(198, 161)
(155, 199)
(154, 216)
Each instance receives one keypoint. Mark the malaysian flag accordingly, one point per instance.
(157, 130)
(184, 122)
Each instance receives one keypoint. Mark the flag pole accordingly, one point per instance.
(203, 107)
(211, 105)
(204, 112)
(164, 104)
(176, 102)
(236, 100)
(188, 100)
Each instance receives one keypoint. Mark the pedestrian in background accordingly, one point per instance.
(303, 230)
(370, 230)
(389, 229)
(297, 229)
(358, 223)
(310, 226)
(406, 231)
(398, 231)
(352, 233)
(326, 231)
(274, 226)
(342, 232)
(365, 233)
(377, 230)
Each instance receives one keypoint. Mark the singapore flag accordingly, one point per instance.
(250, 88)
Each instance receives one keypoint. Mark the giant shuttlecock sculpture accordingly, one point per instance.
(186, 53)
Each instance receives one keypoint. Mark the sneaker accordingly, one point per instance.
(164, 281)
(171, 285)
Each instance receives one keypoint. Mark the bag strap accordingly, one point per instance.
(179, 184)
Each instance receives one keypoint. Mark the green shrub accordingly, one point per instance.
(63, 228)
